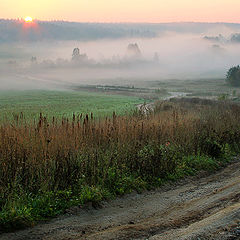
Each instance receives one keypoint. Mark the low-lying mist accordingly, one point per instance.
(122, 61)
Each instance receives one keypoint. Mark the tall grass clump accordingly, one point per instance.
(49, 166)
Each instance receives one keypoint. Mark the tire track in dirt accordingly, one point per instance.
(189, 209)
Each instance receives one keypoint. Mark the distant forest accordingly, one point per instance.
(15, 31)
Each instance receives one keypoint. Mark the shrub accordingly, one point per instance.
(233, 76)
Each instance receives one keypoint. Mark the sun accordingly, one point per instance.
(28, 19)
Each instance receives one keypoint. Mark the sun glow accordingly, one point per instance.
(28, 19)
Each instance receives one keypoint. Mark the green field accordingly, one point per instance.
(103, 101)
(212, 87)
(63, 103)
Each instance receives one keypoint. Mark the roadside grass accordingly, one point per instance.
(25, 210)
(47, 167)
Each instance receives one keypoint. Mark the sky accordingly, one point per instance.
(123, 10)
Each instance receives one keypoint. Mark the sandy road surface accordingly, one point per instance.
(206, 207)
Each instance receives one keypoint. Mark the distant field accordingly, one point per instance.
(159, 89)
(63, 103)
(197, 87)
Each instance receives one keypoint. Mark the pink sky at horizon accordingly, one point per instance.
(151, 11)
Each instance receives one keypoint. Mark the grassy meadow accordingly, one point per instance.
(211, 88)
(48, 166)
(63, 104)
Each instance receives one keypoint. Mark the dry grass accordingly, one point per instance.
(58, 155)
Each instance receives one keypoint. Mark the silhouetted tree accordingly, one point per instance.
(233, 76)
(75, 54)
(33, 60)
(133, 50)
(156, 57)
(79, 58)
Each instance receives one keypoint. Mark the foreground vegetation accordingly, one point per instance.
(49, 166)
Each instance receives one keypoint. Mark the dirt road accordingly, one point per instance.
(202, 207)
(149, 107)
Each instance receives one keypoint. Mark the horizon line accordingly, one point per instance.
(69, 21)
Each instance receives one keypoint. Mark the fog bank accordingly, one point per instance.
(122, 60)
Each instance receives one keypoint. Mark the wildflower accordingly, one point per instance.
(167, 144)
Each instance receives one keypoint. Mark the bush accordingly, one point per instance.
(233, 76)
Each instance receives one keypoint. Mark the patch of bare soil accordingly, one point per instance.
(206, 207)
